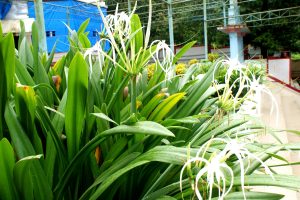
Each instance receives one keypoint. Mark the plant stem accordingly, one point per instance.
(133, 94)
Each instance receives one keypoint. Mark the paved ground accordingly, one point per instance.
(289, 119)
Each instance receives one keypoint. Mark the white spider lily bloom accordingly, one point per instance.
(98, 51)
(234, 66)
(238, 74)
(119, 23)
(213, 174)
(241, 152)
(163, 56)
(260, 89)
(213, 171)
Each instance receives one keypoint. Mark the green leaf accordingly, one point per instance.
(22, 33)
(136, 28)
(25, 56)
(23, 75)
(151, 105)
(166, 198)
(40, 74)
(25, 101)
(50, 59)
(183, 50)
(285, 181)
(105, 117)
(186, 120)
(20, 140)
(30, 179)
(116, 149)
(25, 108)
(7, 162)
(76, 103)
(1, 31)
(278, 157)
(121, 163)
(84, 41)
(142, 127)
(294, 131)
(252, 195)
(7, 72)
(83, 26)
(164, 108)
(35, 50)
(117, 93)
(52, 131)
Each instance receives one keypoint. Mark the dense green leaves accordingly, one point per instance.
(30, 179)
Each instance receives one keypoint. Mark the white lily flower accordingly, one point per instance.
(98, 51)
(213, 171)
(260, 89)
(163, 56)
(119, 23)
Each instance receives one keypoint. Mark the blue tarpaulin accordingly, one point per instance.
(58, 14)
(4, 8)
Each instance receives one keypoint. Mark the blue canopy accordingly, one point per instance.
(58, 14)
(4, 8)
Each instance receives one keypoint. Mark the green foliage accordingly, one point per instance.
(295, 56)
(267, 36)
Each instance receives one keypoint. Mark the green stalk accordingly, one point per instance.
(39, 12)
(133, 94)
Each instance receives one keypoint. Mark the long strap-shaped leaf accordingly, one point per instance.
(20, 140)
(76, 103)
(7, 161)
(287, 181)
(252, 195)
(183, 50)
(40, 74)
(164, 108)
(7, 71)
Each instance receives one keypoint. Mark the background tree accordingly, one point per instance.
(188, 23)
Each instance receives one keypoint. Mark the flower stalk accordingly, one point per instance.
(133, 95)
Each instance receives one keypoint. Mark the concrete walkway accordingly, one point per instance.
(289, 119)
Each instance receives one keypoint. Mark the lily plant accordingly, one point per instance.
(124, 33)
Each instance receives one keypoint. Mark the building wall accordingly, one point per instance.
(59, 14)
